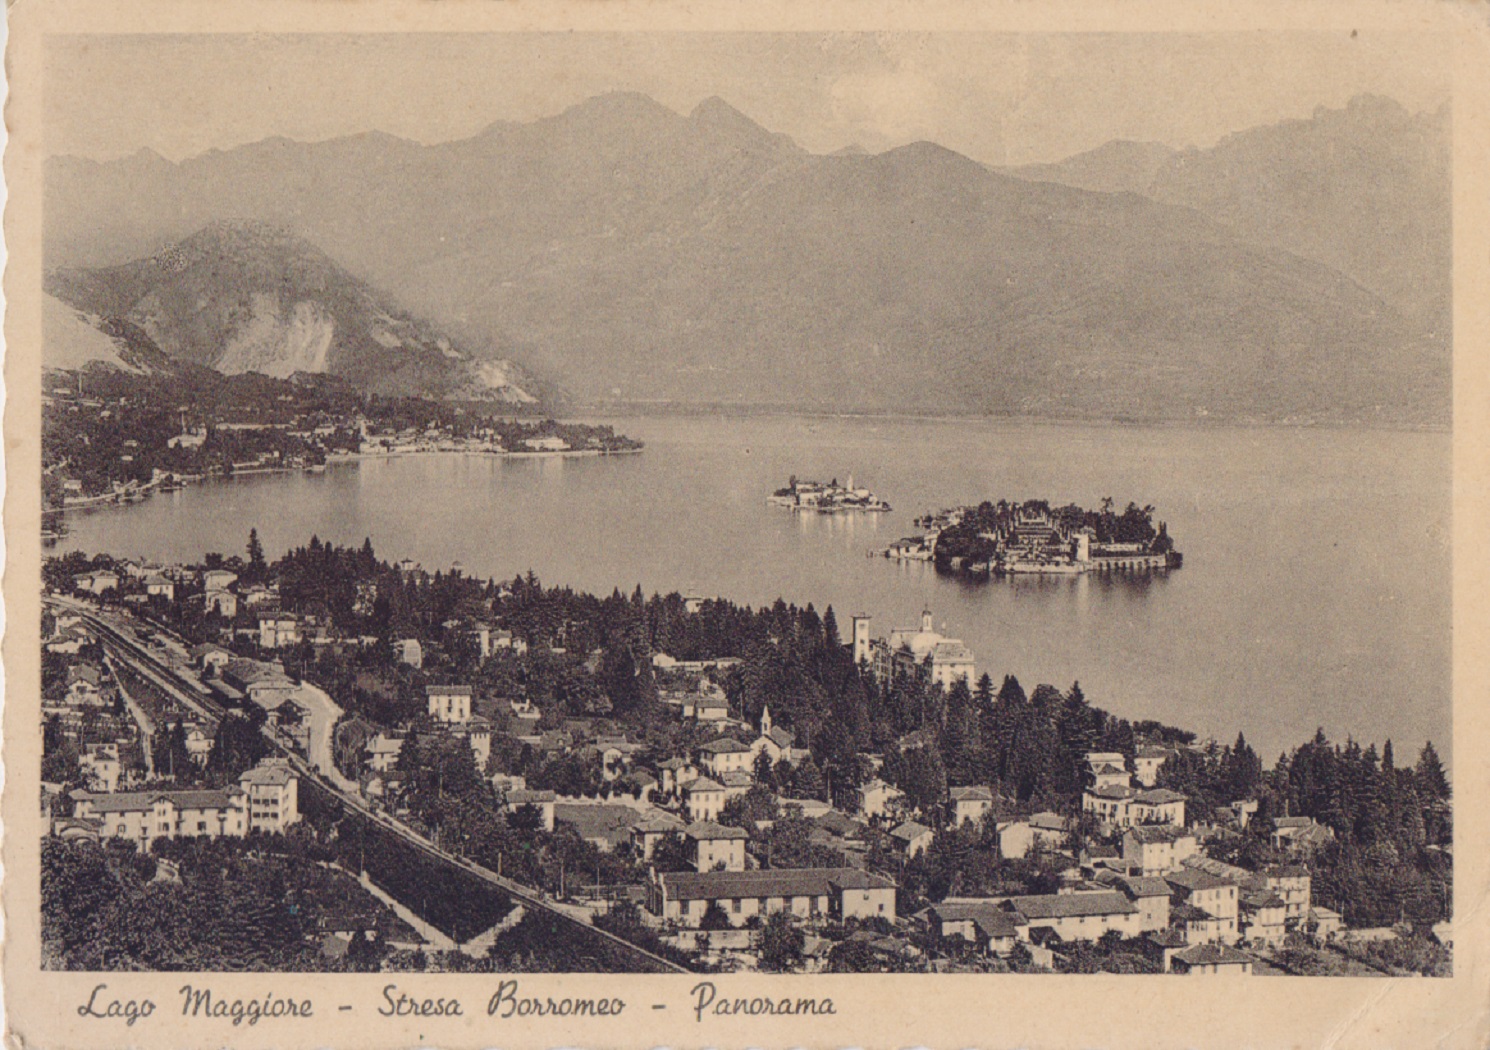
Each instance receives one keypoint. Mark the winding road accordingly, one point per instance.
(120, 640)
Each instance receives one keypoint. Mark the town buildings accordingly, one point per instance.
(810, 894)
(265, 800)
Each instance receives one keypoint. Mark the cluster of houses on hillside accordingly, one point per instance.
(1131, 860)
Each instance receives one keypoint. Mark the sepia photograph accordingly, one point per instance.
(730, 504)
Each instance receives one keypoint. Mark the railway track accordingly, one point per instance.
(190, 695)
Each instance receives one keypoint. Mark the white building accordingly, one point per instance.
(910, 649)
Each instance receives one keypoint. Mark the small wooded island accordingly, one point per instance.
(1007, 538)
(826, 497)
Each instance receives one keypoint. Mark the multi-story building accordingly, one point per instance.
(273, 795)
(970, 803)
(909, 650)
(805, 893)
(714, 847)
(1157, 849)
(1146, 763)
(1211, 895)
(1116, 806)
(704, 799)
(449, 703)
(278, 630)
(725, 755)
(265, 800)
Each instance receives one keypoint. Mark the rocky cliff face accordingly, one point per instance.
(247, 297)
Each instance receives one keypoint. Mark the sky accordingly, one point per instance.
(998, 98)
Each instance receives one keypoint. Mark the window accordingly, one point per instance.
(736, 905)
(201, 825)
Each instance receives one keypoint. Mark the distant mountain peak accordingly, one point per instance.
(714, 111)
(716, 116)
(619, 105)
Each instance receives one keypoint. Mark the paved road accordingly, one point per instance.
(120, 638)
(324, 713)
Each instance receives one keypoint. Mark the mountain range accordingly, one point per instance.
(630, 255)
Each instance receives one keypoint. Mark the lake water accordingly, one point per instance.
(1316, 586)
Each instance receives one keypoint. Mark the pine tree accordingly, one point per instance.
(256, 565)
(1430, 776)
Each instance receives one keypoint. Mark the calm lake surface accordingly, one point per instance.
(1316, 586)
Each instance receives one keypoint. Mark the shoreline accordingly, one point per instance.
(144, 493)
(739, 411)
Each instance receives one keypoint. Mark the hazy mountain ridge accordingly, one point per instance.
(635, 254)
(243, 296)
(1364, 189)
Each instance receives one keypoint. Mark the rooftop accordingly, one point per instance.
(1158, 797)
(1068, 905)
(775, 882)
(1151, 833)
(1195, 881)
(990, 918)
(140, 801)
(971, 794)
(707, 830)
(1212, 955)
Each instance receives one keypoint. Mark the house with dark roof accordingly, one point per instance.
(703, 798)
(1150, 895)
(449, 703)
(1215, 897)
(725, 755)
(970, 803)
(912, 838)
(1301, 835)
(1118, 806)
(1211, 959)
(1158, 848)
(1082, 916)
(1262, 915)
(1146, 763)
(985, 924)
(603, 826)
(652, 828)
(1043, 831)
(714, 847)
(807, 894)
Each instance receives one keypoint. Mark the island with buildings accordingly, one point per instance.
(442, 773)
(826, 497)
(1032, 537)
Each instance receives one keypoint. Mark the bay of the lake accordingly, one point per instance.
(1315, 589)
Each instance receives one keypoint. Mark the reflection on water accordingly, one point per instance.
(1294, 609)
